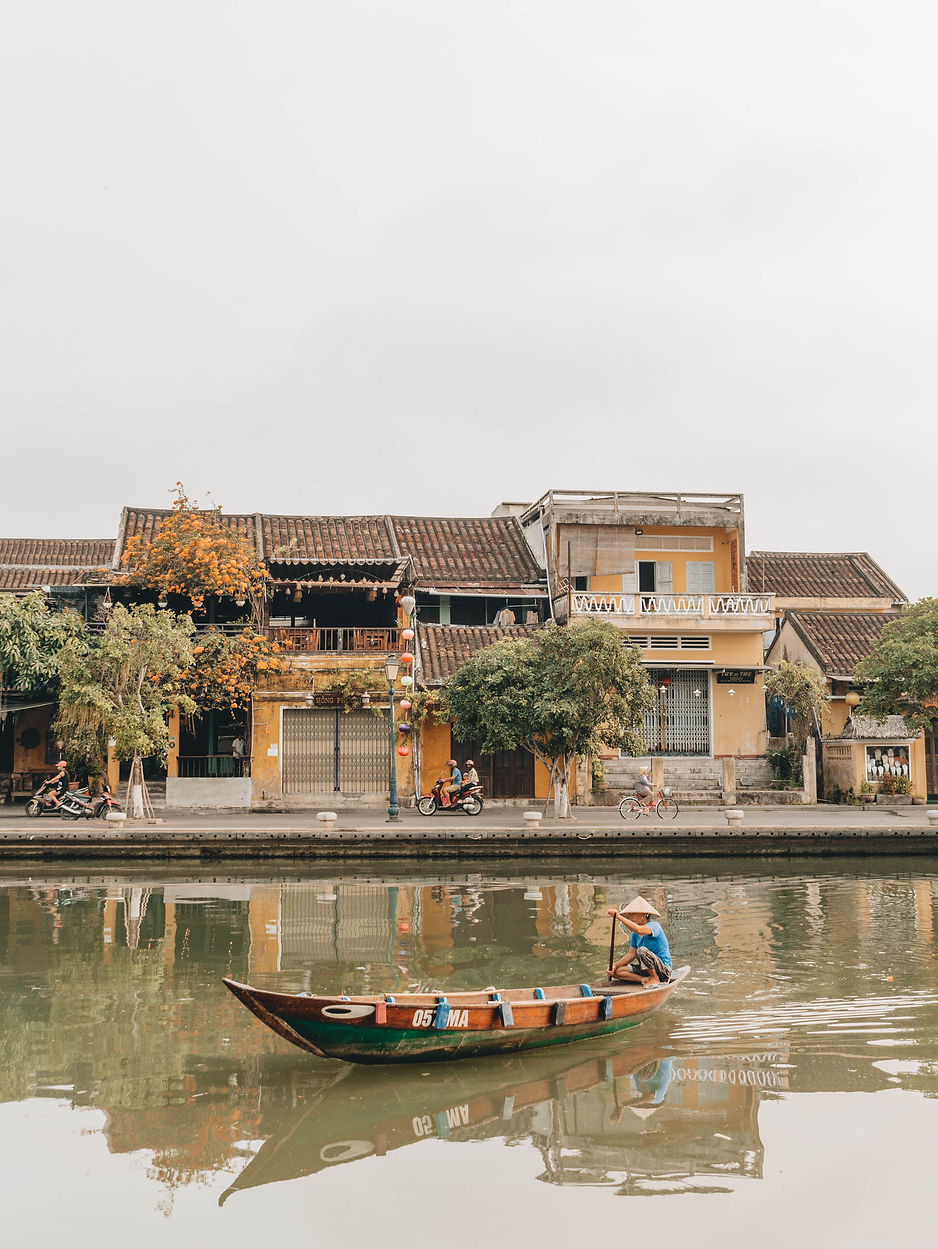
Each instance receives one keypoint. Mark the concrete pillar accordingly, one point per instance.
(172, 759)
(729, 781)
(657, 771)
(113, 769)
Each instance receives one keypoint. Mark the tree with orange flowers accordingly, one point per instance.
(225, 669)
(197, 553)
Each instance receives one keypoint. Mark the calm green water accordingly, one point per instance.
(786, 1094)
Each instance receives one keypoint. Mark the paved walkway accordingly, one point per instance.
(366, 832)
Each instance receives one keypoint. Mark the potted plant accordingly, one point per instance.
(895, 791)
(867, 792)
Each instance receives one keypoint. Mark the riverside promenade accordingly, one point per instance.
(366, 834)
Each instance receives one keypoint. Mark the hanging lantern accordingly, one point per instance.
(162, 601)
(403, 750)
(403, 727)
(408, 602)
(407, 681)
(407, 635)
(407, 658)
(405, 704)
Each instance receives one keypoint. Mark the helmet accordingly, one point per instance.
(62, 763)
(469, 763)
(451, 763)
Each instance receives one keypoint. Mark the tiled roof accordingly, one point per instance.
(474, 552)
(315, 539)
(866, 729)
(444, 647)
(144, 523)
(818, 574)
(839, 640)
(28, 563)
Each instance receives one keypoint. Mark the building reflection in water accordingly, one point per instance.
(112, 998)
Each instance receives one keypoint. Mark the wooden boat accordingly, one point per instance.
(432, 1027)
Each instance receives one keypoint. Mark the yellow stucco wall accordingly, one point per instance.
(845, 765)
(33, 760)
(437, 746)
(721, 556)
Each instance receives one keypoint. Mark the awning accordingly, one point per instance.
(478, 589)
(12, 708)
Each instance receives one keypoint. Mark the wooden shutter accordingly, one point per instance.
(700, 576)
(664, 576)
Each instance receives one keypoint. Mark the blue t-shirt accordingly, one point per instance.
(656, 941)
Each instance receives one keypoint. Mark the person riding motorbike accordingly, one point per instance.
(470, 776)
(58, 785)
(453, 784)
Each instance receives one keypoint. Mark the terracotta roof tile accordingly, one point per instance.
(444, 647)
(29, 563)
(819, 574)
(465, 551)
(316, 539)
(840, 639)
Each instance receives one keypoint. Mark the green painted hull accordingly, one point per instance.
(399, 1045)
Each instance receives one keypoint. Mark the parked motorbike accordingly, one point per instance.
(468, 800)
(77, 804)
(106, 803)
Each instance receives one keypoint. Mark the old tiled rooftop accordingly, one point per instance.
(444, 647)
(819, 574)
(29, 563)
(839, 640)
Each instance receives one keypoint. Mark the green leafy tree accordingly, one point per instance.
(900, 674)
(561, 695)
(803, 693)
(123, 683)
(31, 641)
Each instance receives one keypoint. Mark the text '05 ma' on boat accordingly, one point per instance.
(422, 1027)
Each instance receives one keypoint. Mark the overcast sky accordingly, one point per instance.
(422, 257)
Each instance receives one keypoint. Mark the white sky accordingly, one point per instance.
(422, 257)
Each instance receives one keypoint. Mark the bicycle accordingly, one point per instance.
(663, 805)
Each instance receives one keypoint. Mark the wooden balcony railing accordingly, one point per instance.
(354, 641)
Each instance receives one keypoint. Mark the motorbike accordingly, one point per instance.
(76, 803)
(468, 800)
(106, 803)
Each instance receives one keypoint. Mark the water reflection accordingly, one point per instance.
(802, 981)
(636, 1117)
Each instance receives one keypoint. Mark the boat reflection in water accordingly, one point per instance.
(638, 1116)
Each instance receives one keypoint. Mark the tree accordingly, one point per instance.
(122, 685)
(31, 641)
(195, 553)
(225, 668)
(900, 674)
(562, 694)
(803, 694)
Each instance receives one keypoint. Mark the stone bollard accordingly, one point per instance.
(326, 819)
(734, 817)
(116, 818)
(534, 817)
(932, 814)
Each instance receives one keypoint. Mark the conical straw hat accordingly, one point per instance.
(638, 906)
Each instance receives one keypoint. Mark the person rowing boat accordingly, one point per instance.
(648, 958)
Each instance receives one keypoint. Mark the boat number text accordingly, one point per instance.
(453, 1117)
(424, 1018)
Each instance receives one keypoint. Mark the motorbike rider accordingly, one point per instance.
(57, 785)
(470, 776)
(453, 783)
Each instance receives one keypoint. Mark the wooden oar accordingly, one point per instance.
(612, 945)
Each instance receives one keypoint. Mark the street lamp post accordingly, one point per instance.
(391, 669)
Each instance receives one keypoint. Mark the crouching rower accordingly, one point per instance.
(647, 961)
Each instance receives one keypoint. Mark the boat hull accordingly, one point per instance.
(439, 1028)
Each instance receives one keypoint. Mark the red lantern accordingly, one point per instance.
(403, 750)
(407, 658)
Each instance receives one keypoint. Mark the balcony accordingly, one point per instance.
(336, 641)
(720, 611)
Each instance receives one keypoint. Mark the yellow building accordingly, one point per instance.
(833, 606)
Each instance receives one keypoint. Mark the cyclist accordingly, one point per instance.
(644, 790)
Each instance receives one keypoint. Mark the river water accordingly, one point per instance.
(788, 1093)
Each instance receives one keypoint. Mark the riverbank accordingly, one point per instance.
(368, 834)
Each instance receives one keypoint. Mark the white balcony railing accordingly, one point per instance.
(706, 605)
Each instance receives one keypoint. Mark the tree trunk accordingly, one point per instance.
(561, 780)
